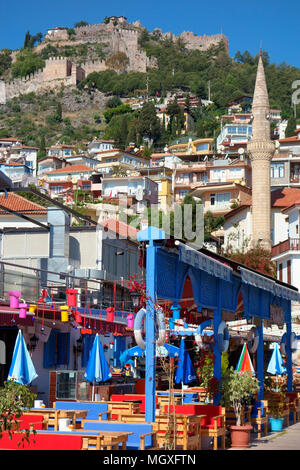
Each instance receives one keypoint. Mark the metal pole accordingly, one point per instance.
(150, 333)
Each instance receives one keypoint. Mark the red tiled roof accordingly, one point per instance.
(285, 197)
(20, 204)
(290, 139)
(120, 228)
(281, 198)
(10, 139)
(71, 169)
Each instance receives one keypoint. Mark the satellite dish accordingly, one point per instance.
(241, 150)
(74, 180)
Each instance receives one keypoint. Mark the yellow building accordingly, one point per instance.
(163, 177)
(190, 146)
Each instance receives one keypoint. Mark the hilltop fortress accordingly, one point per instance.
(116, 34)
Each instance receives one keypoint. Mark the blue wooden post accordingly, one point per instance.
(218, 355)
(260, 360)
(150, 334)
(289, 364)
(150, 234)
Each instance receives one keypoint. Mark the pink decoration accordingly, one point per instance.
(23, 310)
(14, 298)
(130, 320)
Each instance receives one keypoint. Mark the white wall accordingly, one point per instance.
(279, 226)
(237, 230)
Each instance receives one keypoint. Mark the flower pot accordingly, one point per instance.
(110, 314)
(71, 297)
(276, 424)
(32, 308)
(240, 436)
(130, 320)
(64, 314)
(23, 310)
(14, 298)
(78, 317)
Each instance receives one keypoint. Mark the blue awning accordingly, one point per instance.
(198, 260)
(262, 282)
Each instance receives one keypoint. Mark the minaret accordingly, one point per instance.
(261, 150)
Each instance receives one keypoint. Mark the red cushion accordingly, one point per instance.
(26, 420)
(209, 410)
(41, 442)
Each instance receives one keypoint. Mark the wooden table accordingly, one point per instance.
(102, 440)
(52, 416)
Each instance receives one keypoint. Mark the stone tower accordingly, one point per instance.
(261, 150)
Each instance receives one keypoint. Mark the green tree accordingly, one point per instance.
(27, 62)
(291, 126)
(148, 124)
(15, 399)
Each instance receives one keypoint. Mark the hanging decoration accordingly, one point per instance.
(72, 297)
(110, 314)
(14, 298)
(64, 315)
(23, 310)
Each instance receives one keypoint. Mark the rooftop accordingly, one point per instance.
(20, 204)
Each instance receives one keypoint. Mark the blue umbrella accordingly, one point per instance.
(97, 369)
(184, 372)
(276, 366)
(22, 369)
(136, 351)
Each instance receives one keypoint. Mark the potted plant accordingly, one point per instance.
(238, 390)
(276, 408)
(15, 399)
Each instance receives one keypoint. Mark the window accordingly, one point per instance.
(183, 193)
(277, 170)
(220, 199)
(201, 147)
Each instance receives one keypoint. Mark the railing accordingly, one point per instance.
(291, 244)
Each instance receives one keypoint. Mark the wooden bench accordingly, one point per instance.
(212, 420)
(185, 432)
(259, 417)
(142, 436)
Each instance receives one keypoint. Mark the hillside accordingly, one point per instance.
(67, 103)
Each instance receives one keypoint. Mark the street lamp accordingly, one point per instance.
(135, 297)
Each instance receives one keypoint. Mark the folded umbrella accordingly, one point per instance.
(22, 369)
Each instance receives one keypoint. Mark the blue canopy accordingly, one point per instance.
(22, 369)
(276, 366)
(184, 371)
(136, 351)
(97, 369)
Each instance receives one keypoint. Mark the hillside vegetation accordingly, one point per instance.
(78, 114)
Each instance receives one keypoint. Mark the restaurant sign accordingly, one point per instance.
(276, 315)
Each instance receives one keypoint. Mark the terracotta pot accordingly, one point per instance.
(240, 436)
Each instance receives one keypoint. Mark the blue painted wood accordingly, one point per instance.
(260, 362)
(216, 321)
(136, 428)
(150, 366)
(93, 408)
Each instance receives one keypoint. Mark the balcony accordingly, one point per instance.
(291, 244)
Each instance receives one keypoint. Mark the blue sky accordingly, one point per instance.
(274, 24)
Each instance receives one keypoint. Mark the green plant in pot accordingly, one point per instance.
(239, 389)
(276, 411)
(15, 399)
